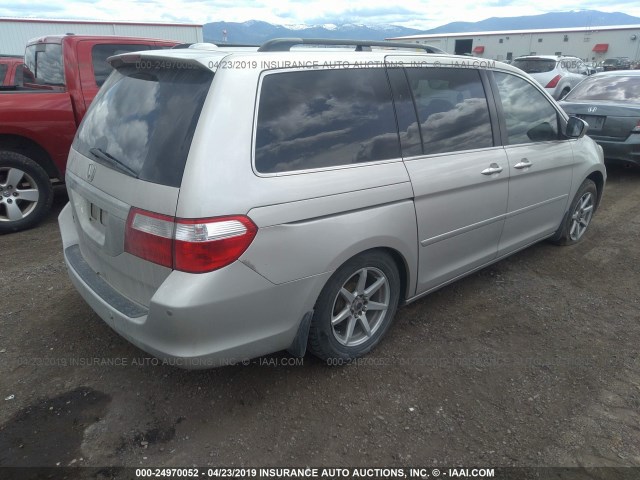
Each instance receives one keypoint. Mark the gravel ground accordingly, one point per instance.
(530, 362)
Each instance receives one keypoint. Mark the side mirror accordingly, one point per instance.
(576, 127)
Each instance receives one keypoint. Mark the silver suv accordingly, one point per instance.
(557, 74)
(228, 204)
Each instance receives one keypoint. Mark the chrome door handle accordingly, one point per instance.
(524, 163)
(493, 168)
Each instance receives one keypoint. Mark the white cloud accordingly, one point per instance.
(409, 13)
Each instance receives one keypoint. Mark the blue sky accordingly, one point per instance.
(408, 13)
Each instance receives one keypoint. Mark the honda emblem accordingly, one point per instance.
(91, 172)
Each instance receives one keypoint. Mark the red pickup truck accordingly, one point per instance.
(11, 69)
(40, 115)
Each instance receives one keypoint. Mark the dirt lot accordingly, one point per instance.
(531, 362)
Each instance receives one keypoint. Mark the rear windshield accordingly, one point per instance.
(3, 72)
(44, 60)
(616, 88)
(538, 65)
(143, 121)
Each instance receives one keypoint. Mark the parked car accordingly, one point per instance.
(291, 204)
(610, 103)
(619, 63)
(39, 118)
(10, 71)
(592, 68)
(557, 74)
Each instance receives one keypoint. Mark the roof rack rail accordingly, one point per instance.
(285, 44)
(213, 45)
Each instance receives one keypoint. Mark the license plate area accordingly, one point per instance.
(595, 122)
(96, 214)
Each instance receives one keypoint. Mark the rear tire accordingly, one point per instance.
(26, 193)
(355, 308)
(579, 216)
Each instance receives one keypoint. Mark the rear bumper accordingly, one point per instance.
(198, 320)
(626, 151)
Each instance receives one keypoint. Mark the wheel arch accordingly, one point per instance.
(403, 269)
(31, 149)
(597, 178)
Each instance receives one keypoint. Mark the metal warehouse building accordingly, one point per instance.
(588, 43)
(16, 32)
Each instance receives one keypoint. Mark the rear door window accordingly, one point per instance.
(143, 121)
(452, 109)
(324, 118)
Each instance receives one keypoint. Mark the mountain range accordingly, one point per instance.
(255, 32)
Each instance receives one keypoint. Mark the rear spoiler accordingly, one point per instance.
(144, 60)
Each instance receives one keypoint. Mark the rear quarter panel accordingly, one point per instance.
(309, 223)
(44, 117)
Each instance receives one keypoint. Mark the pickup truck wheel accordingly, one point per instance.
(26, 193)
(355, 308)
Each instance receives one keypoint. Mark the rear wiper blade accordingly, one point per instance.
(111, 160)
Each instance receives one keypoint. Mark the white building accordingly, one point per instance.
(16, 32)
(588, 43)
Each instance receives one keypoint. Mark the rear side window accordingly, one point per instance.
(529, 115)
(316, 119)
(144, 120)
(3, 72)
(100, 53)
(452, 109)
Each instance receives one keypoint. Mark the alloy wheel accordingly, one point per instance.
(581, 216)
(360, 307)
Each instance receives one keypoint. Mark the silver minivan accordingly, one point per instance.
(229, 204)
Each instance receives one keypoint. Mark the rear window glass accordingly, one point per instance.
(99, 54)
(614, 88)
(534, 65)
(144, 121)
(44, 60)
(316, 119)
(3, 72)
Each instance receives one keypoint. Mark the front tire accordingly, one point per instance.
(579, 216)
(26, 193)
(355, 308)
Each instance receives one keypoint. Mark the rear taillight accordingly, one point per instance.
(149, 235)
(190, 245)
(554, 81)
(204, 245)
